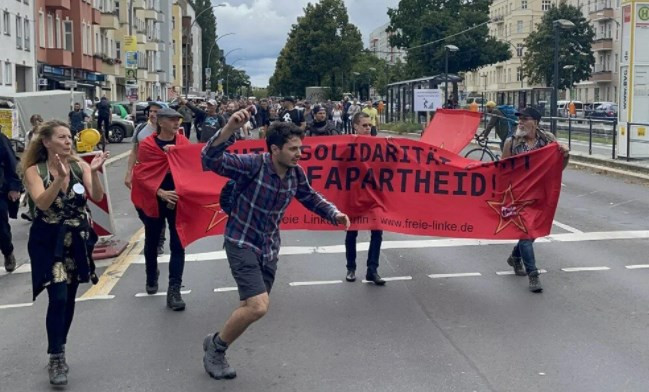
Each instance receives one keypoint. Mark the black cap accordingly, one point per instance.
(290, 99)
(153, 103)
(530, 112)
(318, 108)
(169, 113)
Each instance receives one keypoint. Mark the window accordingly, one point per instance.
(116, 7)
(8, 77)
(6, 22)
(519, 26)
(519, 50)
(89, 39)
(59, 39)
(118, 50)
(41, 29)
(173, 23)
(83, 38)
(19, 32)
(28, 43)
(523, 4)
(173, 71)
(1, 73)
(518, 74)
(545, 5)
(50, 31)
(68, 42)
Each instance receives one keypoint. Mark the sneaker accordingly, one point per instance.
(56, 371)
(174, 300)
(351, 276)
(535, 283)
(517, 263)
(10, 263)
(214, 361)
(152, 286)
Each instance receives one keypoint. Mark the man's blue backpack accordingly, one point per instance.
(510, 120)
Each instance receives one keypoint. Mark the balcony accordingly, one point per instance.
(58, 4)
(141, 38)
(601, 73)
(58, 57)
(498, 19)
(602, 44)
(138, 4)
(150, 14)
(152, 77)
(602, 14)
(162, 18)
(109, 21)
(97, 64)
(96, 16)
(109, 69)
(152, 45)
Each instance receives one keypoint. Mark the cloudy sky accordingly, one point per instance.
(262, 27)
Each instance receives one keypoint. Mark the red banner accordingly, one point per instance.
(451, 129)
(393, 184)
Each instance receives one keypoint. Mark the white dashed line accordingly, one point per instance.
(459, 275)
(96, 297)
(581, 269)
(225, 289)
(637, 266)
(161, 294)
(315, 283)
(392, 278)
(566, 227)
(502, 273)
(25, 305)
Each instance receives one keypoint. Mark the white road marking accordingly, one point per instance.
(96, 297)
(160, 294)
(315, 283)
(581, 269)
(576, 236)
(622, 203)
(225, 289)
(117, 157)
(25, 305)
(566, 227)
(458, 275)
(392, 278)
(637, 266)
(501, 273)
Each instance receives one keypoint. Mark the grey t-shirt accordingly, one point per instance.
(143, 133)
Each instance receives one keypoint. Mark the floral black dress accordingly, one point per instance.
(60, 244)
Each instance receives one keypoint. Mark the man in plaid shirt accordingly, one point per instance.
(266, 185)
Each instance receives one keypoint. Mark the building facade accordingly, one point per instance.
(18, 69)
(177, 71)
(379, 45)
(191, 50)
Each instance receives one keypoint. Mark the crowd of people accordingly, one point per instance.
(59, 184)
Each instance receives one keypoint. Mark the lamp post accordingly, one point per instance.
(209, 55)
(447, 49)
(355, 75)
(572, 71)
(187, 32)
(557, 25)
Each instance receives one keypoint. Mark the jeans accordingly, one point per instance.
(102, 126)
(188, 129)
(525, 250)
(5, 228)
(152, 229)
(60, 312)
(372, 254)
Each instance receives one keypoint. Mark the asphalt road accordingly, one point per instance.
(471, 330)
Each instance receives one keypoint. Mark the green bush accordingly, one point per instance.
(402, 127)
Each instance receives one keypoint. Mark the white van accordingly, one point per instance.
(562, 109)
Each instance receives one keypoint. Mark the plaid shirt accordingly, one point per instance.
(258, 210)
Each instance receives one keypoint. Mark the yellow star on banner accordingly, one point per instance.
(216, 208)
(509, 210)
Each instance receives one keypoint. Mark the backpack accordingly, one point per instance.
(41, 168)
(229, 192)
(507, 124)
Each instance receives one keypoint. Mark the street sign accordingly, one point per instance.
(427, 100)
(130, 43)
(70, 83)
(131, 60)
(131, 93)
(131, 74)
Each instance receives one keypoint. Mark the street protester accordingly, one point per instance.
(142, 132)
(210, 119)
(188, 118)
(362, 126)
(499, 122)
(154, 196)
(321, 126)
(290, 113)
(77, 119)
(10, 189)
(371, 111)
(528, 137)
(61, 240)
(266, 185)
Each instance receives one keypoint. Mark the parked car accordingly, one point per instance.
(589, 108)
(605, 110)
(562, 108)
(118, 129)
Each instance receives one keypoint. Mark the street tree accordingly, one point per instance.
(422, 28)
(574, 48)
(207, 22)
(319, 51)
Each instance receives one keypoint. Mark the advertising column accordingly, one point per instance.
(633, 117)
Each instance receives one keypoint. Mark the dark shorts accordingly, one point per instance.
(251, 276)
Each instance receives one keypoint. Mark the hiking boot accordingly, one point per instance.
(10, 263)
(517, 263)
(214, 361)
(535, 283)
(66, 368)
(152, 285)
(174, 300)
(55, 369)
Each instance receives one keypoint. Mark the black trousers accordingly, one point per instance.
(6, 244)
(60, 311)
(152, 229)
(188, 129)
(102, 126)
(372, 255)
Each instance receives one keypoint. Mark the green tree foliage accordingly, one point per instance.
(235, 80)
(574, 48)
(417, 22)
(207, 22)
(320, 50)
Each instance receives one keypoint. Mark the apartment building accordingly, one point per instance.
(380, 45)
(176, 51)
(191, 49)
(18, 62)
(66, 45)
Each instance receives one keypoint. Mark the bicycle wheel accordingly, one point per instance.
(480, 154)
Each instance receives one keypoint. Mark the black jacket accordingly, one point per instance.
(9, 180)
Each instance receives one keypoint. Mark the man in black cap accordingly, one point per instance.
(529, 137)
(210, 120)
(290, 113)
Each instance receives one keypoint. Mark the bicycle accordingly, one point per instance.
(482, 152)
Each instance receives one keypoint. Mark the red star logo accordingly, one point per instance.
(216, 219)
(509, 210)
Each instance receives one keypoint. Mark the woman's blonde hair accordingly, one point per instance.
(36, 152)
